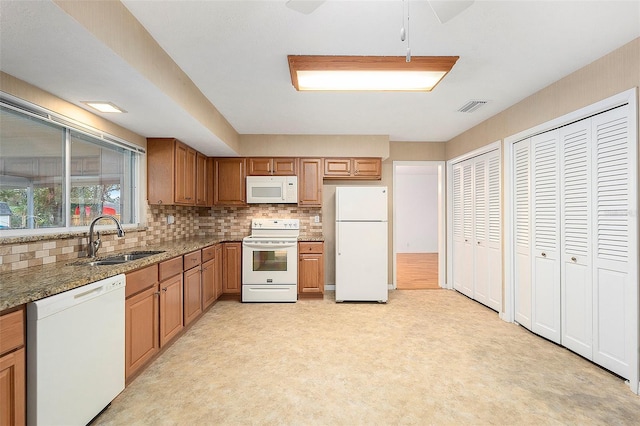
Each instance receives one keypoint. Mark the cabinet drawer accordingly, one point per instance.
(141, 279)
(169, 268)
(311, 247)
(208, 253)
(192, 259)
(11, 330)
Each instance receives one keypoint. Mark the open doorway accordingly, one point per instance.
(418, 226)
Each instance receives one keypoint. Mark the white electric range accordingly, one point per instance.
(270, 261)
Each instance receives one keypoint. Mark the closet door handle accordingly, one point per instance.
(573, 259)
(544, 254)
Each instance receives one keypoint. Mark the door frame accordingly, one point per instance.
(441, 217)
(475, 153)
(629, 97)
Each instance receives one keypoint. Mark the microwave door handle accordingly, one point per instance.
(284, 187)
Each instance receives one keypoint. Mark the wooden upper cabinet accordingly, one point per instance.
(310, 182)
(266, 166)
(229, 181)
(185, 174)
(353, 168)
(172, 173)
(202, 180)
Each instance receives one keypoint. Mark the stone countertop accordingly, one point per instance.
(34, 283)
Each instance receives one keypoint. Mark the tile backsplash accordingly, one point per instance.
(227, 223)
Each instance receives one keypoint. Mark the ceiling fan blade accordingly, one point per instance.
(304, 6)
(446, 10)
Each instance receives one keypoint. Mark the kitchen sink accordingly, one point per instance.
(118, 259)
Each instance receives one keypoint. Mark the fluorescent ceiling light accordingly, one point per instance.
(368, 73)
(103, 106)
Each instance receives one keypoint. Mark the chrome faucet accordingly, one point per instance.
(95, 245)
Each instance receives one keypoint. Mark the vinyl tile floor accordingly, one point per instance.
(425, 357)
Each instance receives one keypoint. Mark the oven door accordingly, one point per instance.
(270, 262)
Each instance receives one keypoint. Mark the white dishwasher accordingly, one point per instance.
(75, 353)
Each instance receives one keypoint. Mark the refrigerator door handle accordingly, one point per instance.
(338, 238)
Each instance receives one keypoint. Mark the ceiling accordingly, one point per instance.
(236, 54)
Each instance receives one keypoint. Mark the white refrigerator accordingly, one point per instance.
(361, 244)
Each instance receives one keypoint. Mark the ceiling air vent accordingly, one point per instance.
(471, 106)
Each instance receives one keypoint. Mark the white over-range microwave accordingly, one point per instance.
(272, 189)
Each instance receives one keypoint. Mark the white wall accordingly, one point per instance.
(416, 209)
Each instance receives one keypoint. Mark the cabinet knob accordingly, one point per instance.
(574, 259)
(164, 289)
(478, 243)
(544, 254)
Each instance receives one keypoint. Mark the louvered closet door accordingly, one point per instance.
(575, 258)
(546, 226)
(615, 307)
(467, 263)
(481, 216)
(458, 232)
(493, 242)
(522, 214)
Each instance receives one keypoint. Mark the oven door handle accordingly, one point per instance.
(269, 246)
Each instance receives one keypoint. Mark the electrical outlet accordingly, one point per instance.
(316, 219)
(170, 219)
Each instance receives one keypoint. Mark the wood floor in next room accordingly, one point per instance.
(417, 271)
(425, 357)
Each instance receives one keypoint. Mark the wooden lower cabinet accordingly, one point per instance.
(12, 368)
(217, 277)
(192, 286)
(142, 319)
(232, 268)
(142, 334)
(208, 283)
(192, 294)
(311, 269)
(12, 388)
(171, 308)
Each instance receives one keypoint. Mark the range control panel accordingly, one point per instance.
(274, 224)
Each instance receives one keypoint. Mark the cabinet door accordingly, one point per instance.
(208, 283)
(142, 339)
(161, 169)
(546, 234)
(522, 215)
(370, 168)
(575, 257)
(229, 181)
(284, 166)
(260, 166)
(231, 270)
(201, 179)
(192, 294)
(185, 174)
(171, 321)
(13, 388)
(311, 270)
(337, 167)
(310, 182)
(218, 270)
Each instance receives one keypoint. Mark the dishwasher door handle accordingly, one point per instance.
(88, 293)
